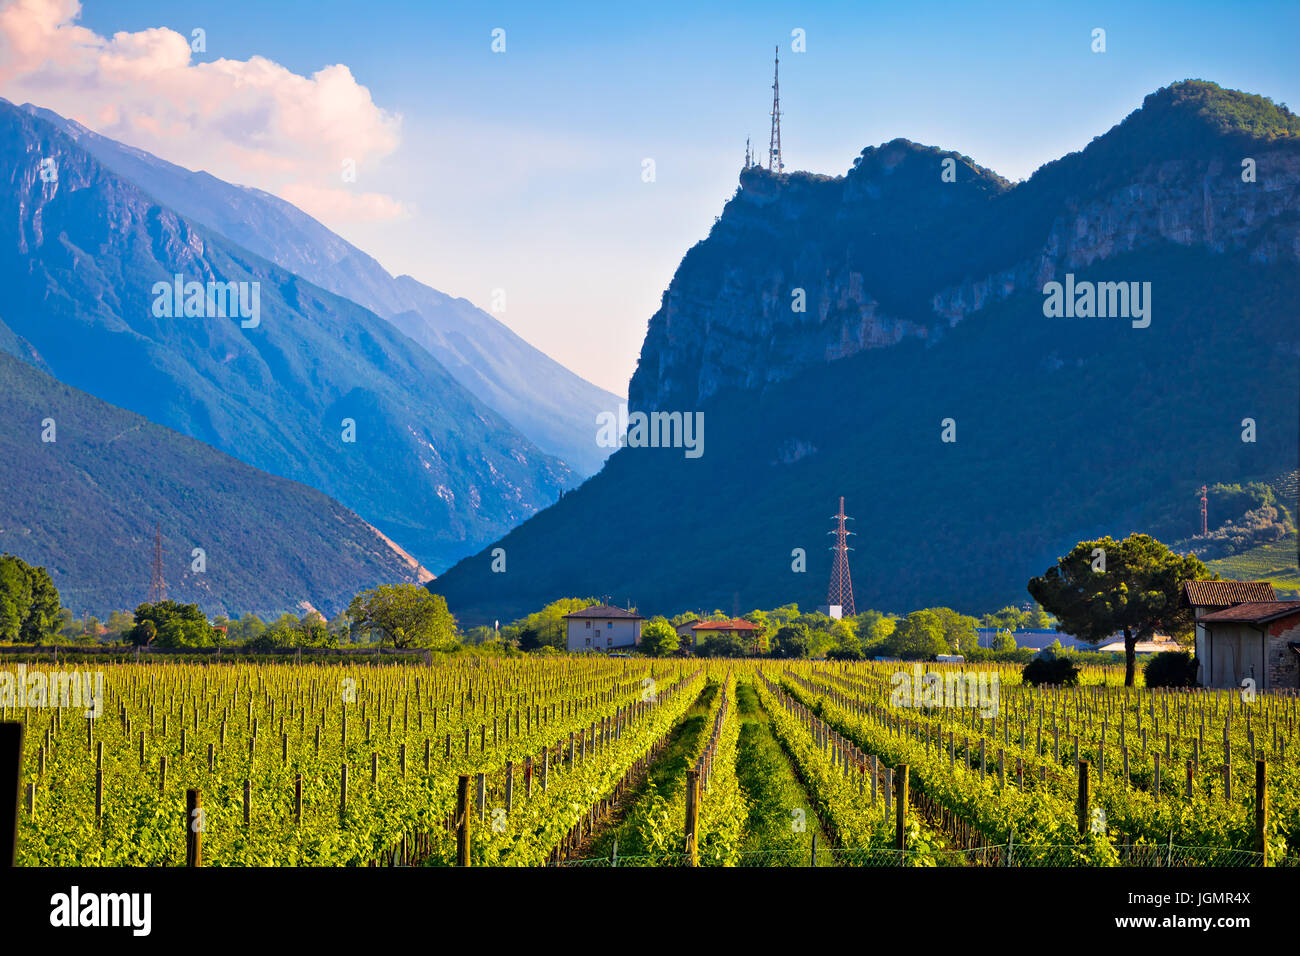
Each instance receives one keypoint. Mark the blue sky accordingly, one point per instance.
(522, 170)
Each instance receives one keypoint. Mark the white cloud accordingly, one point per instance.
(250, 121)
(340, 205)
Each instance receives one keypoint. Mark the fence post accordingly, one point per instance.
(814, 848)
(1082, 805)
(900, 801)
(692, 816)
(462, 820)
(1261, 811)
(193, 828)
(11, 761)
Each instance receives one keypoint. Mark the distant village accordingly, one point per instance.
(1243, 633)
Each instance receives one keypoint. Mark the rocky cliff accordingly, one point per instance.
(801, 269)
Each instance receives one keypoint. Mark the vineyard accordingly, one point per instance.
(633, 762)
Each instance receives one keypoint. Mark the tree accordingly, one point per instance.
(288, 631)
(1037, 619)
(1009, 618)
(119, 623)
(172, 624)
(793, 640)
(29, 602)
(958, 629)
(407, 614)
(547, 627)
(1002, 641)
(658, 639)
(723, 644)
(847, 647)
(873, 630)
(919, 635)
(340, 626)
(1135, 588)
(247, 628)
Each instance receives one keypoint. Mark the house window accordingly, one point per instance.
(609, 642)
(610, 623)
(589, 642)
(588, 625)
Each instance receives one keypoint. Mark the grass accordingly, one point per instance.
(1274, 562)
(773, 792)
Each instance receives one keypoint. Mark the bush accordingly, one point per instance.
(1171, 669)
(1053, 671)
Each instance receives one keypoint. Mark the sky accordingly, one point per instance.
(517, 177)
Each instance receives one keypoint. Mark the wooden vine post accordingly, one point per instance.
(900, 805)
(1261, 812)
(11, 761)
(692, 817)
(1082, 804)
(193, 828)
(462, 820)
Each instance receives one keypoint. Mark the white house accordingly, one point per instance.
(601, 627)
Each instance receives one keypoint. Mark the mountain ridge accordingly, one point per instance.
(550, 405)
(1063, 429)
(429, 464)
(270, 545)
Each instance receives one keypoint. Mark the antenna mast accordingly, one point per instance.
(841, 589)
(774, 162)
(157, 586)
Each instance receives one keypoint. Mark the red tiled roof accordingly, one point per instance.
(736, 624)
(1227, 593)
(604, 610)
(1257, 612)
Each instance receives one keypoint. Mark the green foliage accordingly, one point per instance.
(29, 602)
(288, 631)
(658, 639)
(1170, 669)
(1052, 671)
(920, 635)
(1275, 562)
(792, 641)
(722, 644)
(1003, 641)
(172, 624)
(1139, 591)
(405, 614)
(545, 628)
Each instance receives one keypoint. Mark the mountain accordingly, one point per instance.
(925, 301)
(552, 407)
(85, 506)
(314, 388)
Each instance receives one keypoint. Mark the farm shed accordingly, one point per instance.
(1259, 641)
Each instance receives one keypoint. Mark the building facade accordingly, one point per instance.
(602, 628)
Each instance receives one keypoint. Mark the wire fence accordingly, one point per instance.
(987, 856)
